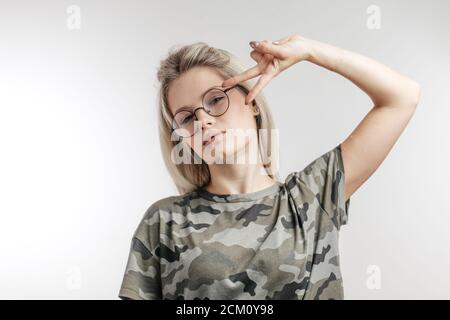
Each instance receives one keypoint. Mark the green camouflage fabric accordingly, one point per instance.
(277, 243)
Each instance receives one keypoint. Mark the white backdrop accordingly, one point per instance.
(80, 159)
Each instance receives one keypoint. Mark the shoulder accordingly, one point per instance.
(155, 216)
(315, 175)
(322, 184)
(166, 205)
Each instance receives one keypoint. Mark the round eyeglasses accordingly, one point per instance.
(215, 102)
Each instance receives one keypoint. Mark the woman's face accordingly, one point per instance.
(231, 128)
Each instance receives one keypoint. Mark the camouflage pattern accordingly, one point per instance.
(277, 243)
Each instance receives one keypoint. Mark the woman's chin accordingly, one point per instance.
(219, 158)
(222, 155)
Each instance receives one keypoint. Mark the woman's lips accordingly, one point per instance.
(213, 139)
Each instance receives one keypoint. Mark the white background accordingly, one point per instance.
(80, 159)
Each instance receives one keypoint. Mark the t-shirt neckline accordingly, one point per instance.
(240, 197)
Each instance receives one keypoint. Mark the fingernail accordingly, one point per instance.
(254, 44)
(275, 42)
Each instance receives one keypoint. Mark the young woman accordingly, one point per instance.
(236, 231)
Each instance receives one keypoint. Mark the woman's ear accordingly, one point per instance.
(255, 108)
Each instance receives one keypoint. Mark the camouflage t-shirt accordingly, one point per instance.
(280, 242)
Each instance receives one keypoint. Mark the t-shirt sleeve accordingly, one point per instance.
(142, 278)
(325, 177)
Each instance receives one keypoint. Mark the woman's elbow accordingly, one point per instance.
(414, 94)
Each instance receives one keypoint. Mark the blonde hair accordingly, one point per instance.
(181, 58)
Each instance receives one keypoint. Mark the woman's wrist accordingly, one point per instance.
(310, 49)
(306, 49)
(325, 55)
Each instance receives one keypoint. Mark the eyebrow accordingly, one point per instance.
(192, 107)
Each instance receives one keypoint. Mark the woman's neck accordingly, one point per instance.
(238, 178)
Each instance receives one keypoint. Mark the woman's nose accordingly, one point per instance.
(204, 117)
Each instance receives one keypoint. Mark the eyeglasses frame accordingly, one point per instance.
(203, 107)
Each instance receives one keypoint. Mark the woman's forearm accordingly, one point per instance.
(383, 85)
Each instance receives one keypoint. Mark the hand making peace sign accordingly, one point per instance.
(272, 58)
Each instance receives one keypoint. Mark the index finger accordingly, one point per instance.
(248, 74)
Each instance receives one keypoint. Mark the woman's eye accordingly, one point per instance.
(186, 120)
(215, 100)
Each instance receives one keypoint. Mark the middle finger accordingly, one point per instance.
(260, 84)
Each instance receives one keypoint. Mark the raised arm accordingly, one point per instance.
(394, 96)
